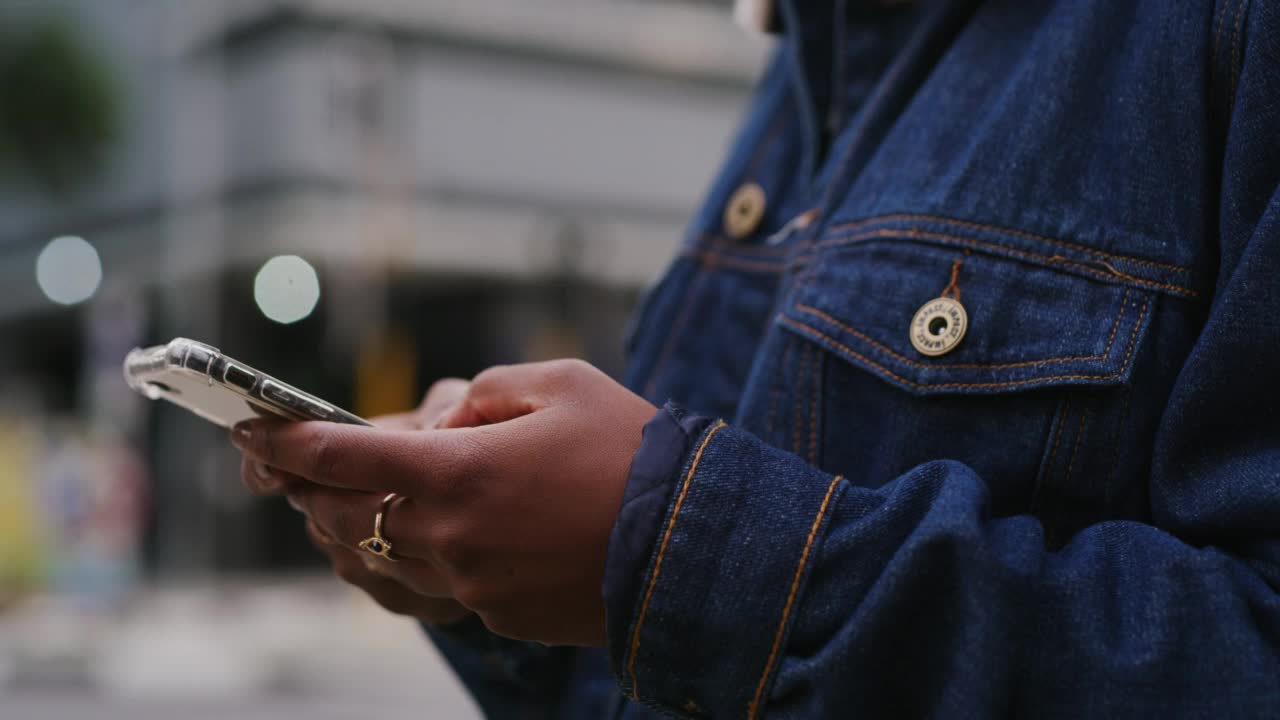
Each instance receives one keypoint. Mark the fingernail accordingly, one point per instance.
(293, 503)
(242, 435)
(268, 482)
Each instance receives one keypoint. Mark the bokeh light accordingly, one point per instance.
(286, 289)
(68, 270)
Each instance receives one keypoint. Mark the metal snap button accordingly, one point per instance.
(938, 326)
(745, 211)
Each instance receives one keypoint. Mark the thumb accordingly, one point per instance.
(506, 392)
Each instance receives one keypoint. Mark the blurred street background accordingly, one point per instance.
(357, 196)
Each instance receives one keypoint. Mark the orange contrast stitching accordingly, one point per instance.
(1010, 231)
(881, 370)
(953, 287)
(1124, 303)
(1053, 260)
(972, 366)
(662, 550)
(754, 707)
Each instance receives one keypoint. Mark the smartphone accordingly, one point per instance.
(201, 379)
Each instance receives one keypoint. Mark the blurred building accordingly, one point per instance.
(474, 181)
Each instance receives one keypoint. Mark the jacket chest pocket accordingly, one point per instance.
(1021, 371)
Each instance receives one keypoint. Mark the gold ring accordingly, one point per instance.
(377, 544)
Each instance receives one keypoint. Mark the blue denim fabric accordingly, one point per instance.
(1072, 514)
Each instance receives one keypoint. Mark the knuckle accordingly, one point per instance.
(476, 595)
(323, 459)
(561, 372)
(453, 549)
(344, 523)
(446, 539)
(264, 443)
(447, 387)
(489, 378)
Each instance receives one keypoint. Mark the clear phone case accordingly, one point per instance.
(219, 389)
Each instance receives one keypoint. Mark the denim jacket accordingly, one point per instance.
(1061, 500)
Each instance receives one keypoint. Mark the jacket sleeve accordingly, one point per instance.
(768, 587)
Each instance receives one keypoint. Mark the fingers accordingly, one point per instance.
(337, 455)
(500, 393)
(401, 600)
(443, 396)
(506, 392)
(265, 481)
(347, 518)
(398, 421)
(389, 592)
(361, 568)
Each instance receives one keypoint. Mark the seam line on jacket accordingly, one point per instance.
(662, 550)
(754, 707)
(1217, 36)
(797, 420)
(1010, 231)
(714, 242)
(1236, 63)
(1049, 466)
(810, 310)
(815, 401)
(677, 327)
(1084, 417)
(885, 372)
(711, 260)
(775, 394)
(1055, 260)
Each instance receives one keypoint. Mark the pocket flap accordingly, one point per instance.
(1028, 326)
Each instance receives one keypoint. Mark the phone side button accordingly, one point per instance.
(239, 376)
(295, 402)
(272, 391)
(317, 411)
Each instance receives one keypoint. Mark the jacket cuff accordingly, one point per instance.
(699, 626)
(663, 446)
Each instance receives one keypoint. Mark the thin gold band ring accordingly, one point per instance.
(377, 544)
